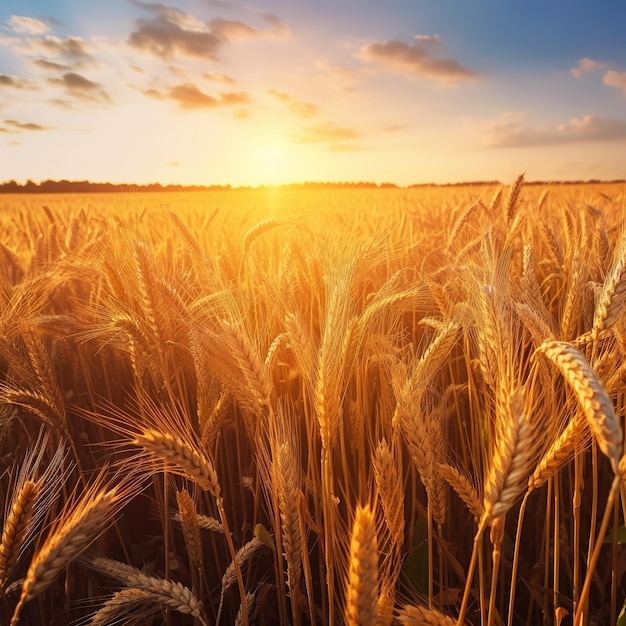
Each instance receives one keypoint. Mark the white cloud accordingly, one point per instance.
(28, 25)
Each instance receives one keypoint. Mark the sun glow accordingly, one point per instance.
(272, 164)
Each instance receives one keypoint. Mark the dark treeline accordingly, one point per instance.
(86, 186)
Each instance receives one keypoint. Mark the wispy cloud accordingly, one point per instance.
(70, 47)
(325, 132)
(415, 61)
(8, 80)
(189, 96)
(303, 110)
(51, 66)
(586, 65)
(426, 39)
(589, 128)
(29, 25)
(218, 77)
(616, 79)
(171, 32)
(24, 126)
(77, 86)
(338, 77)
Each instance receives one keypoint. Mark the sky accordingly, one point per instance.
(403, 91)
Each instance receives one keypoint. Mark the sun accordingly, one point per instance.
(271, 163)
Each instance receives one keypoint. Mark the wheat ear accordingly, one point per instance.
(613, 294)
(205, 522)
(16, 526)
(464, 488)
(80, 527)
(257, 230)
(190, 526)
(362, 591)
(166, 592)
(242, 558)
(119, 604)
(513, 460)
(182, 457)
(286, 473)
(250, 608)
(511, 204)
(423, 616)
(559, 453)
(591, 395)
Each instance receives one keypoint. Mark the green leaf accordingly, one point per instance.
(621, 618)
(620, 532)
(415, 567)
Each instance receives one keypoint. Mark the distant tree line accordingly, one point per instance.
(86, 186)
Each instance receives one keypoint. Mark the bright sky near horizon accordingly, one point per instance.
(405, 91)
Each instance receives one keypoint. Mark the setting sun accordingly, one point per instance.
(272, 164)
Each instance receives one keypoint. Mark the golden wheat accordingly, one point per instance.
(362, 588)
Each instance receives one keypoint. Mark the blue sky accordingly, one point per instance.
(209, 91)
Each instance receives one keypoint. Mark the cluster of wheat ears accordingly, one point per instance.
(403, 411)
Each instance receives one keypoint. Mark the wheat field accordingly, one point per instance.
(361, 407)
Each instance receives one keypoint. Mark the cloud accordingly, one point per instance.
(616, 79)
(303, 110)
(325, 132)
(19, 126)
(218, 77)
(70, 47)
(586, 65)
(29, 25)
(8, 80)
(394, 128)
(415, 61)
(589, 128)
(164, 38)
(61, 104)
(188, 96)
(171, 32)
(78, 86)
(425, 39)
(278, 28)
(341, 78)
(44, 64)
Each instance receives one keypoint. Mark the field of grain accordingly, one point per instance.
(364, 407)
